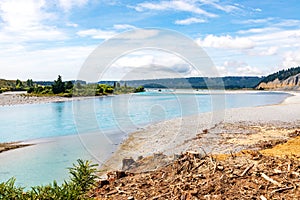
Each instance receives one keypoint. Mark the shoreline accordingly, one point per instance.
(239, 129)
(170, 126)
(13, 145)
(21, 98)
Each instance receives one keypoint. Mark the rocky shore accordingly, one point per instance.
(252, 153)
(17, 98)
(220, 132)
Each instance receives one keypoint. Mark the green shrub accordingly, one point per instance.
(83, 174)
(8, 190)
(81, 180)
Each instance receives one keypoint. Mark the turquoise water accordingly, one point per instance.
(93, 128)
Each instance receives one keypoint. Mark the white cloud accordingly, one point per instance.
(238, 68)
(123, 26)
(258, 30)
(42, 64)
(147, 64)
(280, 37)
(226, 42)
(139, 34)
(216, 4)
(257, 9)
(248, 71)
(288, 22)
(291, 59)
(270, 51)
(255, 21)
(72, 25)
(67, 5)
(23, 21)
(177, 5)
(96, 34)
(191, 20)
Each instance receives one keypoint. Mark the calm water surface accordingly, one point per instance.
(93, 128)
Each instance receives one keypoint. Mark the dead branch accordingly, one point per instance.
(247, 169)
(270, 179)
(282, 189)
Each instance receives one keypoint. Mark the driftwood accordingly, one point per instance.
(270, 179)
(247, 169)
(192, 176)
(282, 189)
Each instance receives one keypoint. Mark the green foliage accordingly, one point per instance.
(83, 175)
(282, 74)
(82, 180)
(69, 85)
(58, 86)
(8, 190)
(29, 83)
(139, 89)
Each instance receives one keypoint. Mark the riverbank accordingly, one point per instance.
(267, 169)
(12, 145)
(219, 132)
(189, 132)
(20, 98)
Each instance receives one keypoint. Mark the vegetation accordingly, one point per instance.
(125, 89)
(78, 88)
(229, 82)
(281, 75)
(82, 179)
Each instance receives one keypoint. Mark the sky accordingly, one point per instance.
(40, 39)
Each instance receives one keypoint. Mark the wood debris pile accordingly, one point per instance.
(194, 176)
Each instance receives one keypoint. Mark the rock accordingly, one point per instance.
(127, 163)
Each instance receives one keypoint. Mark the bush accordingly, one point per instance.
(83, 175)
(8, 190)
(82, 178)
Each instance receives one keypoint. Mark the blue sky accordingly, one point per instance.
(40, 39)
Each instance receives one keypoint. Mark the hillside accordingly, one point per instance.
(229, 82)
(6, 85)
(284, 79)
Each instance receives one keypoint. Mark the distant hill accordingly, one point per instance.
(7, 83)
(230, 82)
(283, 79)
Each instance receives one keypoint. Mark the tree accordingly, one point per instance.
(19, 84)
(29, 83)
(58, 86)
(69, 85)
(139, 89)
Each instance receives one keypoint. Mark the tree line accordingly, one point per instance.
(69, 88)
(282, 74)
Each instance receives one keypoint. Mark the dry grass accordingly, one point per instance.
(289, 149)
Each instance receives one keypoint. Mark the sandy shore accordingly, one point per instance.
(219, 132)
